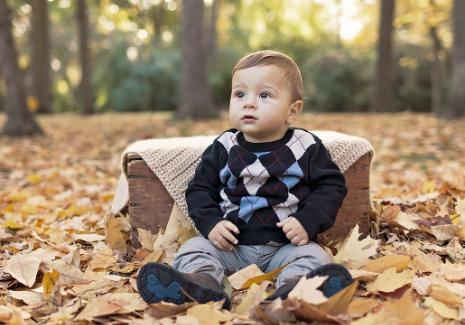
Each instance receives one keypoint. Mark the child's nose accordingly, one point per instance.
(249, 102)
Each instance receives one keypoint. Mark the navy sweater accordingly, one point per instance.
(256, 185)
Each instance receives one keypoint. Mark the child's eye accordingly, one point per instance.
(239, 94)
(264, 95)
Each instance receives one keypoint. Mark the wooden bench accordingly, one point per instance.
(150, 204)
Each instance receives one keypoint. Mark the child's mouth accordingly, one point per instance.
(248, 118)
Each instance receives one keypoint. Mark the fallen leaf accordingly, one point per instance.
(359, 307)
(390, 280)
(254, 295)
(146, 239)
(445, 232)
(29, 297)
(165, 309)
(399, 262)
(455, 250)
(117, 229)
(354, 253)
(260, 278)
(208, 314)
(441, 308)
(152, 257)
(332, 310)
(51, 286)
(453, 272)
(239, 278)
(307, 290)
(184, 234)
(444, 295)
(401, 312)
(23, 268)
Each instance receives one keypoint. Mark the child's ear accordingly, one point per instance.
(294, 110)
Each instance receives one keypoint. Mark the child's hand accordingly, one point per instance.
(221, 235)
(294, 231)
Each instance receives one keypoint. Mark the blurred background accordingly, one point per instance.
(172, 55)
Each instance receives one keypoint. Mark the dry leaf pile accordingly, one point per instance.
(64, 259)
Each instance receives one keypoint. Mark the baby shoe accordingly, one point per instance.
(159, 282)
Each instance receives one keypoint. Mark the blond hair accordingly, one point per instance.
(285, 63)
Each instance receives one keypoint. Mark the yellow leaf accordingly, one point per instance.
(208, 314)
(152, 257)
(441, 308)
(399, 262)
(402, 311)
(12, 225)
(390, 280)
(260, 278)
(460, 209)
(51, 287)
(362, 306)
(355, 253)
(184, 234)
(444, 295)
(254, 295)
(9, 208)
(238, 279)
(19, 195)
(34, 178)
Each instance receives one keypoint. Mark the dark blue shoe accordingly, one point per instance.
(159, 282)
(338, 278)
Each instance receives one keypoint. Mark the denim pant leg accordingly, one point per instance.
(199, 255)
(308, 257)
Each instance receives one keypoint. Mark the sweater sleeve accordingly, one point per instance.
(317, 213)
(203, 192)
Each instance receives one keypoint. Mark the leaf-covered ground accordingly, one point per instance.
(57, 268)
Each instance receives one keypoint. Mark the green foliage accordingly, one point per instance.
(337, 81)
(149, 85)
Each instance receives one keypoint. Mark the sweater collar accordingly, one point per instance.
(264, 146)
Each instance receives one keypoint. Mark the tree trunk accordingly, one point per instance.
(211, 41)
(436, 83)
(456, 100)
(196, 102)
(86, 90)
(41, 70)
(381, 100)
(20, 121)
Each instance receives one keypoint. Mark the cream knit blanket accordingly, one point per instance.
(174, 160)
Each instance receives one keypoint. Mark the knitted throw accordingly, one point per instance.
(174, 161)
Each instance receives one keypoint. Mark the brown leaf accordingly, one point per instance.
(165, 309)
(390, 280)
(209, 314)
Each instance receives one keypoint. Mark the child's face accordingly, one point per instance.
(261, 104)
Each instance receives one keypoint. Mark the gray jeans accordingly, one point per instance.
(199, 255)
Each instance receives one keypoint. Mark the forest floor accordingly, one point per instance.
(56, 267)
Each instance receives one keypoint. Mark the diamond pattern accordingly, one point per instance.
(264, 186)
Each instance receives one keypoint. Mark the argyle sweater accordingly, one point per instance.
(256, 185)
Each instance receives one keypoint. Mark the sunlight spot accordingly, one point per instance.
(132, 53)
(167, 36)
(142, 34)
(155, 2)
(171, 6)
(114, 9)
(55, 64)
(403, 62)
(349, 28)
(291, 14)
(74, 74)
(64, 3)
(62, 87)
(261, 28)
(107, 43)
(134, 2)
(26, 8)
